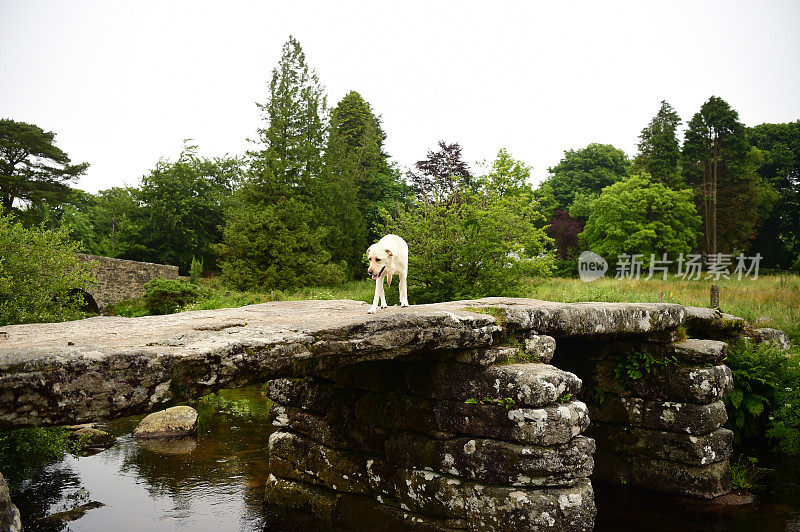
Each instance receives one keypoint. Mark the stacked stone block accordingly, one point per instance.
(459, 444)
(662, 431)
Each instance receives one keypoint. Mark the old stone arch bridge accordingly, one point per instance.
(121, 280)
(462, 415)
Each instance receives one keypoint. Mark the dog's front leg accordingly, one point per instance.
(378, 291)
(403, 290)
(383, 295)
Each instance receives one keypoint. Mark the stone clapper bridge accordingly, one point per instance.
(460, 415)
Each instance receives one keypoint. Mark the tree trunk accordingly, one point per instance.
(713, 248)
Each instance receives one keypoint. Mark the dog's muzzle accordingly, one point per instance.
(375, 276)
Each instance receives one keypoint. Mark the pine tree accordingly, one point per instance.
(659, 150)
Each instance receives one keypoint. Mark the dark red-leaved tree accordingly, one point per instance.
(441, 174)
(564, 230)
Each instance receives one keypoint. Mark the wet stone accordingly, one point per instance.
(551, 425)
(675, 478)
(684, 417)
(299, 458)
(529, 384)
(691, 384)
(494, 461)
(172, 422)
(713, 447)
(10, 519)
(512, 509)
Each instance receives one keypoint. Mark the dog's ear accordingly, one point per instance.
(388, 252)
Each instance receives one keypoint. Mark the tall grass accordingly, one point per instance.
(769, 301)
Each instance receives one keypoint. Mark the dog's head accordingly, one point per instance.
(379, 259)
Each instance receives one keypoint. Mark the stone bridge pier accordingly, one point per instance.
(467, 415)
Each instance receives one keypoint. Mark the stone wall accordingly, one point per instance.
(432, 446)
(121, 280)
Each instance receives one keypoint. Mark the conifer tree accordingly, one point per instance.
(659, 150)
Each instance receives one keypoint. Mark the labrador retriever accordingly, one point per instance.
(388, 257)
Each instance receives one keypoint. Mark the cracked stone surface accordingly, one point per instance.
(107, 367)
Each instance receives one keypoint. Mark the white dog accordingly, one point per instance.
(388, 257)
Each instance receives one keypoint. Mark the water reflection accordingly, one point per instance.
(216, 482)
(213, 482)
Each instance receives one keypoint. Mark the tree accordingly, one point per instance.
(275, 245)
(564, 230)
(586, 171)
(357, 181)
(637, 215)
(182, 206)
(273, 235)
(507, 176)
(41, 278)
(441, 174)
(32, 168)
(293, 140)
(719, 164)
(778, 240)
(659, 149)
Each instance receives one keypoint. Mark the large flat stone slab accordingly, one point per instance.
(107, 367)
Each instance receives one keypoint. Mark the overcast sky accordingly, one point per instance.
(123, 83)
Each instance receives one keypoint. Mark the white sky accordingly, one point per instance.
(122, 83)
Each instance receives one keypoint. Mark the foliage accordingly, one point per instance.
(32, 168)
(41, 279)
(165, 296)
(471, 245)
(507, 402)
(564, 230)
(588, 171)
(636, 365)
(745, 473)
(276, 246)
(441, 174)
(506, 177)
(23, 449)
(291, 144)
(766, 386)
(181, 208)
(659, 150)
(778, 239)
(637, 215)
(195, 271)
(719, 164)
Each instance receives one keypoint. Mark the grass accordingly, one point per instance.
(769, 301)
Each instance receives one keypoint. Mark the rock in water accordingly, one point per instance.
(172, 422)
(9, 515)
(92, 438)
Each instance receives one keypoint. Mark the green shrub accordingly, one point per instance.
(763, 404)
(195, 271)
(23, 449)
(471, 245)
(40, 275)
(165, 296)
(637, 365)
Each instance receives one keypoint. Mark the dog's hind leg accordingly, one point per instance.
(403, 290)
(383, 294)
